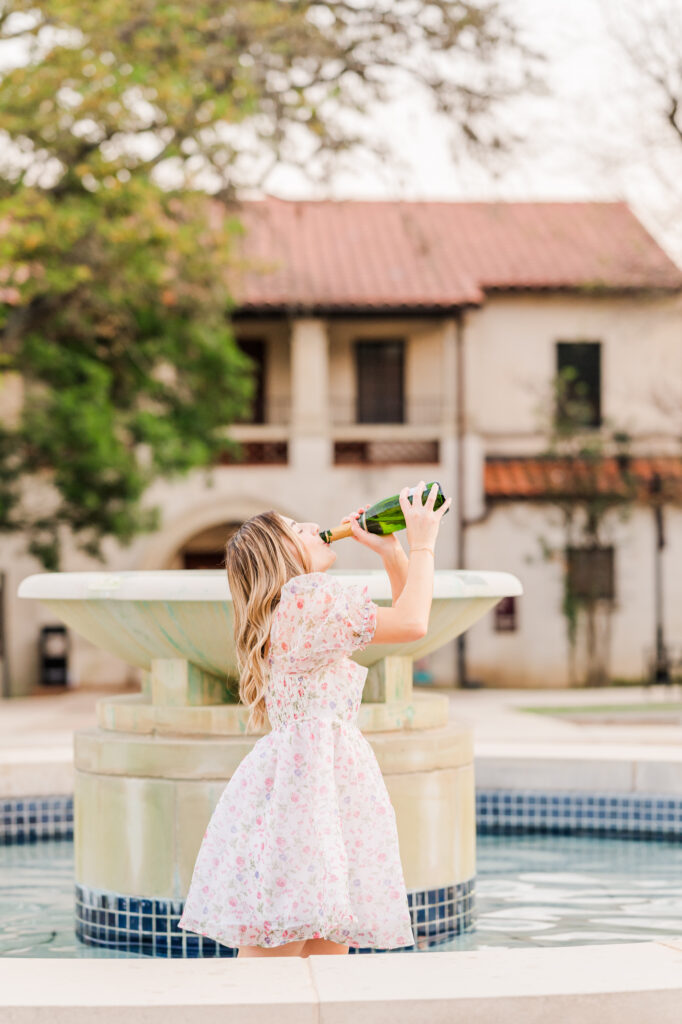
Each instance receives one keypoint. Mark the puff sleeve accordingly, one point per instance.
(321, 619)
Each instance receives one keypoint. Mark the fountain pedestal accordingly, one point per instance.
(149, 776)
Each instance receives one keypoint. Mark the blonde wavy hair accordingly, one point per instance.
(259, 561)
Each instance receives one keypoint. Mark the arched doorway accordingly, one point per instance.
(201, 532)
(205, 549)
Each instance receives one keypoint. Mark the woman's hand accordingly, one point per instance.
(421, 519)
(384, 545)
(408, 620)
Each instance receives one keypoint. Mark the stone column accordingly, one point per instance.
(448, 412)
(310, 437)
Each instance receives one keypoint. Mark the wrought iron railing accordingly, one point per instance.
(346, 410)
(257, 453)
(277, 412)
(384, 453)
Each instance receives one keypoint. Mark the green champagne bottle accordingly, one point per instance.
(384, 517)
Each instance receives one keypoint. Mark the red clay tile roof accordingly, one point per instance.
(309, 255)
(546, 477)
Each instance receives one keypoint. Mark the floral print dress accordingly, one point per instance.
(303, 841)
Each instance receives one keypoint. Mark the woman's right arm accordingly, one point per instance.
(408, 618)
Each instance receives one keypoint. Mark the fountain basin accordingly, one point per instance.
(187, 614)
(149, 777)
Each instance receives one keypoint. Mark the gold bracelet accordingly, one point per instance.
(423, 549)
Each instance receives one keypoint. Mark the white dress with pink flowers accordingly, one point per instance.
(303, 841)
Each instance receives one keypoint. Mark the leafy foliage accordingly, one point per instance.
(587, 495)
(128, 130)
(121, 338)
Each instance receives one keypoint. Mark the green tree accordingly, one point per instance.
(119, 123)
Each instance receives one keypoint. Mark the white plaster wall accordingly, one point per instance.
(536, 655)
(425, 387)
(511, 359)
(11, 397)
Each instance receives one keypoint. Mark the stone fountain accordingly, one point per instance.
(149, 776)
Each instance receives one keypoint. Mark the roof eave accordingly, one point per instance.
(350, 311)
(280, 309)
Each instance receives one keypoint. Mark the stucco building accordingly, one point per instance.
(397, 341)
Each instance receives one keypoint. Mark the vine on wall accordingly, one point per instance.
(591, 483)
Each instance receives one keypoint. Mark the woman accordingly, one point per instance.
(301, 853)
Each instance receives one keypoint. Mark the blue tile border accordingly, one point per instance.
(574, 812)
(150, 926)
(29, 819)
(630, 815)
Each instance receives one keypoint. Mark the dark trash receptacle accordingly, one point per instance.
(54, 656)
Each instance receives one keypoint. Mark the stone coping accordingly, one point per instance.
(35, 771)
(201, 757)
(623, 983)
(40, 771)
(135, 713)
(587, 767)
(171, 585)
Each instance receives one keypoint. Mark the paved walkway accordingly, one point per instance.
(36, 739)
(49, 719)
(498, 715)
(517, 749)
(511, 745)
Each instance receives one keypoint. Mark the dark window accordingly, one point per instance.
(254, 348)
(505, 615)
(380, 369)
(579, 373)
(203, 559)
(591, 573)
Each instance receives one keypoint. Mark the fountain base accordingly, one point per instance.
(143, 798)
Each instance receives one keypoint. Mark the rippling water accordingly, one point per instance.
(573, 890)
(531, 891)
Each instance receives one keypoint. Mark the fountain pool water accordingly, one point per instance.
(534, 890)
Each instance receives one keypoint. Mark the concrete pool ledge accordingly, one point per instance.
(27, 771)
(36, 771)
(623, 767)
(626, 983)
(512, 749)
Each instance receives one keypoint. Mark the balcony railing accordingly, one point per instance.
(385, 440)
(277, 412)
(423, 411)
(345, 411)
(385, 453)
(257, 453)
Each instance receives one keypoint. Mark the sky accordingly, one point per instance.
(590, 138)
(596, 136)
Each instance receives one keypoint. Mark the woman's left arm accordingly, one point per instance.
(395, 563)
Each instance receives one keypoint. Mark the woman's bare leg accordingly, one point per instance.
(286, 949)
(323, 947)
